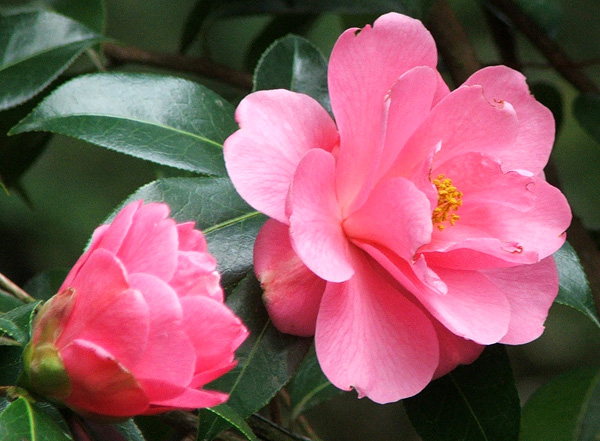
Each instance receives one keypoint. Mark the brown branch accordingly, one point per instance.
(551, 51)
(14, 290)
(452, 42)
(181, 63)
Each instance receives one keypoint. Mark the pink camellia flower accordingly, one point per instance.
(139, 324)
(414, 229)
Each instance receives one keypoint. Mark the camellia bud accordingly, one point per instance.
(139, 325)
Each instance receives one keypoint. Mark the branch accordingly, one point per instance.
(14, 290)
(199, 66)
(546, 45)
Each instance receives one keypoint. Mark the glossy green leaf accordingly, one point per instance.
(293, 63)
(565, 409)
(23, 420)
(231, 418)
(574, 289)
(8, 302)
(8, 327)
(229, 224)
(586, 109)
(35, 48)
(478, 402)
(91, 13)
(309, 387)
(266, 361)
(207, 12)
(167, 120)
(22, 318)
(44, 285)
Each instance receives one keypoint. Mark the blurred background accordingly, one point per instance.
(74, 186)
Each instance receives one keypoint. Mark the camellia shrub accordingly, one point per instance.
(381, 223)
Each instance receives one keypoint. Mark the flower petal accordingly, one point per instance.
(396, 215)
(167, 340)
(100, 383)
(292, 292)
(531, 149)
(151, 243)
(364, 65)
(512, 217)
(213, 329)
(372, 338)
(315, 222)
(277, 127)
(177, 397)
(190, 239)
(473, 308)
(107, 311)
(464, 121)
(197, 274)
(530, 290)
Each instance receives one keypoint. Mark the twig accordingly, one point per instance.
(545, 44)
(452, 42)
(272, 432)
(13, 289)
(177, 62)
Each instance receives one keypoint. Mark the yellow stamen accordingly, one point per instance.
(449, 199)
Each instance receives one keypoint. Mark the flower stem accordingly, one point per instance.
(14, 290)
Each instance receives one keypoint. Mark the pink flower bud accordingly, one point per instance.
(139, 326)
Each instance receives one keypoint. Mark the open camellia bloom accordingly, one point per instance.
(413, 230)
(139, 324)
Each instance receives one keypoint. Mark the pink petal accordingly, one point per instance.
(410, 101)
(100, 383)
(175, 397)
(292, 292)
(473, 308)
(213, 329)
(151, 243)
(206, 377)
(370, 337)
(509, 216)
(190, 239)
(363, 67)
(107, 312)
(197, 274)
(315, 222)
(464, 121)
(169, 354)
(277, 127)
(396, 215)
(532, 148)
(530, 290)
(454, 350)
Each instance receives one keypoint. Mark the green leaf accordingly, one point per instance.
(548, 14)
(232, 418)
(18, 321)
(45, 284)
(478, 402)
(586, 109)
(229, 224)
(11, 365)
(309, 387)
(266, 361)
(129, 430)
(8, 302)
(35, 48)
(22, 420)
(565, 409)
(574, 289)
(91, 13)
(167, 120)
(293, 63)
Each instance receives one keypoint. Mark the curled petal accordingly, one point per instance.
(316, 221)
(100, 384)
(277, 128)
(292, 292)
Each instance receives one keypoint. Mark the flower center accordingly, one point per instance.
(449, 199)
